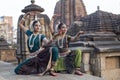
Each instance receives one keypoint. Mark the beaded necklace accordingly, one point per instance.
(60, 45)
(32, 44)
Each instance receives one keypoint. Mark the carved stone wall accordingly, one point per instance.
(69, 10)
(7, 55)
(99, 21)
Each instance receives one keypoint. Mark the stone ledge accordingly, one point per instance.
(108, 48)
(84, 49)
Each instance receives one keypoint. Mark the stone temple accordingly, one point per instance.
(100, 44)
(69, 11)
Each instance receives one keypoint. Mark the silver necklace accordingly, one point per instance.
(31, 45)
(61, 46)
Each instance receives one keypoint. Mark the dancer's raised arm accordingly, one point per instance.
(51, 23)
(77, 35)
(22, 21)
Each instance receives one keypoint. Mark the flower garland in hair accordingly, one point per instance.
(31, 23)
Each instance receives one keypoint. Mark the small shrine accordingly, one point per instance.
(4, 44)
(6, 51)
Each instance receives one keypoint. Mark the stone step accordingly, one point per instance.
(15, 62)
(98, 37)
(108, 48)
(99, 34)
(83, 49)
(7, 73)
(94, 43)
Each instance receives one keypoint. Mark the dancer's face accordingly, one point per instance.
(63, 28)
(37, 27)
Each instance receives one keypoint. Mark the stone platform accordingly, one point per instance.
(7, 73)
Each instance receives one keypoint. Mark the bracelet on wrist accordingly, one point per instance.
(23, 19)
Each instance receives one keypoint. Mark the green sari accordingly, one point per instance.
(60, 64)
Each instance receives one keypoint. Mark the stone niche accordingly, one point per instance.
(106, 65)
(110, 65)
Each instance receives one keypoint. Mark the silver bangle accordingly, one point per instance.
(23, 19)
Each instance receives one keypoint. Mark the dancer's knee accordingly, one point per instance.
(54, 53)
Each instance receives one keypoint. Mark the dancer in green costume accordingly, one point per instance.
(68, 60)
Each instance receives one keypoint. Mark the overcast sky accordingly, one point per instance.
(14, 7)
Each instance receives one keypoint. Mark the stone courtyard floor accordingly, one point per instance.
(7, 73)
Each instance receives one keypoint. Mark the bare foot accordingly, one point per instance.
(53, 73)
(77, 72)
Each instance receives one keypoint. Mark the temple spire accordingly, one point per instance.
(98, 8)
